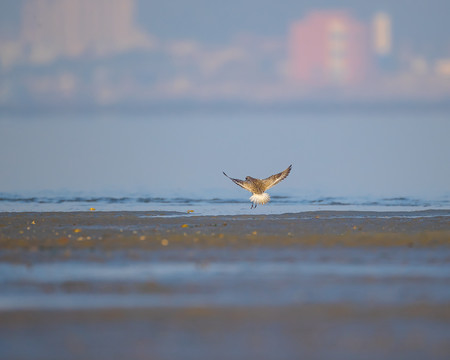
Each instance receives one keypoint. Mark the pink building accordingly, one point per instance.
(329, 48)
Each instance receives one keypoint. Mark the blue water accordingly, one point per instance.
(212, 206)
(396, 280)
(369, 158)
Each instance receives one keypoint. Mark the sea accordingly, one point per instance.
(352, 159)
(210, 206)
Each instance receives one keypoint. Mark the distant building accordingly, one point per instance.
(382, 34)
(52, 28)
(442, 68)
(329, 48)
(382, 41)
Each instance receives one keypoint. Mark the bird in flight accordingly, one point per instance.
(258, 187)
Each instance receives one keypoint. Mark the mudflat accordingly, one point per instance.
(147, 230)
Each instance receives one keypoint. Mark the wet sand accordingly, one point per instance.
(160, 285)
(148, 230)
(335, 331)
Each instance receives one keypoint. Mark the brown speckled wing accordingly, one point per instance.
(275, 179)
(243, 184)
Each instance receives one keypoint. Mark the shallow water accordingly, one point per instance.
(239, 278)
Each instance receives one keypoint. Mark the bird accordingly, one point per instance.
(258, 186)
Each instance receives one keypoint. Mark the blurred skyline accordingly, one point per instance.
(77, 53)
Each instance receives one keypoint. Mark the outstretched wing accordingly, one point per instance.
(243, 184)
(275, 179)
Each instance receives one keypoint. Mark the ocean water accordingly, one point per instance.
(213, 206)
(120, 161)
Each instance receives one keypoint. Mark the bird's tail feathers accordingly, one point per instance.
(260, 198)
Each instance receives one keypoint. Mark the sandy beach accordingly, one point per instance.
(169, 285)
